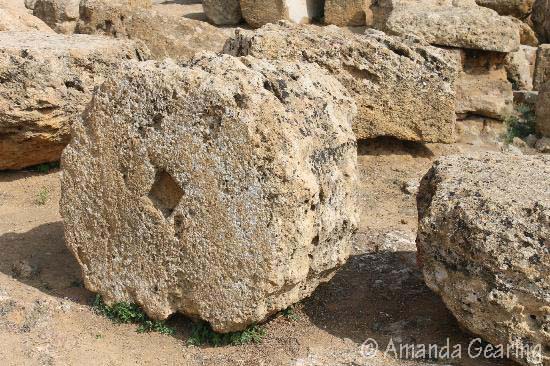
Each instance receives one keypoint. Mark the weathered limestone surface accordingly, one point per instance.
(403, 87)
(18, 19)
(181, 195)
(47, 80)
(520, 66)
(60, 15)
(542, 66)
(165, 36)
(260, 12)
(541, 19)
(520, 9)
(483, 245)
(348, 12)
(527, 35)
(543, 110)
(482, 87)
(223, 12)
(460, 24)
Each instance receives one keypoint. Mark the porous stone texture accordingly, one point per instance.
(520, 9)
(543, 110)
(223, 12)
(181, 195)
(542, 66)
(403, 87)
(47, 80)
(348, 12)
(527, 35)
(165, 36)
(526, 97)
(541, 19)
(461, 24)
(482, 87)
(17, 19)
(520, 66)
(60, 15)
(260, 12)
(29, 4)
(483, 240)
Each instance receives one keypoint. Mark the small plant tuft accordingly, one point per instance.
(202, 334)
(290, 314)
(45, 168)
(126, 313)
(520, 125)
(42, 196)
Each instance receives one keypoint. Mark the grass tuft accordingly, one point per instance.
(42, 196)
(521, 125)
(45, 168)
(126, 313)
(290, 314)
(202, 334)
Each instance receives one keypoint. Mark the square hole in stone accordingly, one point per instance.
(165, 193)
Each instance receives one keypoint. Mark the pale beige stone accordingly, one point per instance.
(403, 87)
(520, 66)
(60, 15)
(482, 87)
(260, 12)
(17, 19)
(348, 12)
(482, 242)
(542, 66)
(223, 12)
(520, 9)
(47, 81)
(543, 110)
(180, 194)
(165, 35)
(460, 24)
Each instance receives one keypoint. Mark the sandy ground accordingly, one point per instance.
(45, 317)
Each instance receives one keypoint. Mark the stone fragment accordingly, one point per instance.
(60, 15)
(348, 12)
(403, 87)
(526, 97)
(483, 237)
(520, 9)
(260, 12)
(47, 80)
(165, 35)
(541, 20)
(542, 66)
(480, 131)
(29, 4)
(543, 110)
(527, 35)
(197, 201)
(17, 19)
(483, 88)
(543, 145)
(460, 24)
(520, 66)
(223, 12)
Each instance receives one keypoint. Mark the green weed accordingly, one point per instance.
(202, 334)
(520, 125)
(42, 196)
(126, 313)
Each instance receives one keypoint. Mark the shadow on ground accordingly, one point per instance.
(383, 296)
(39, 258)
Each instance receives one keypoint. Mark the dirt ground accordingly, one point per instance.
(46, 318)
